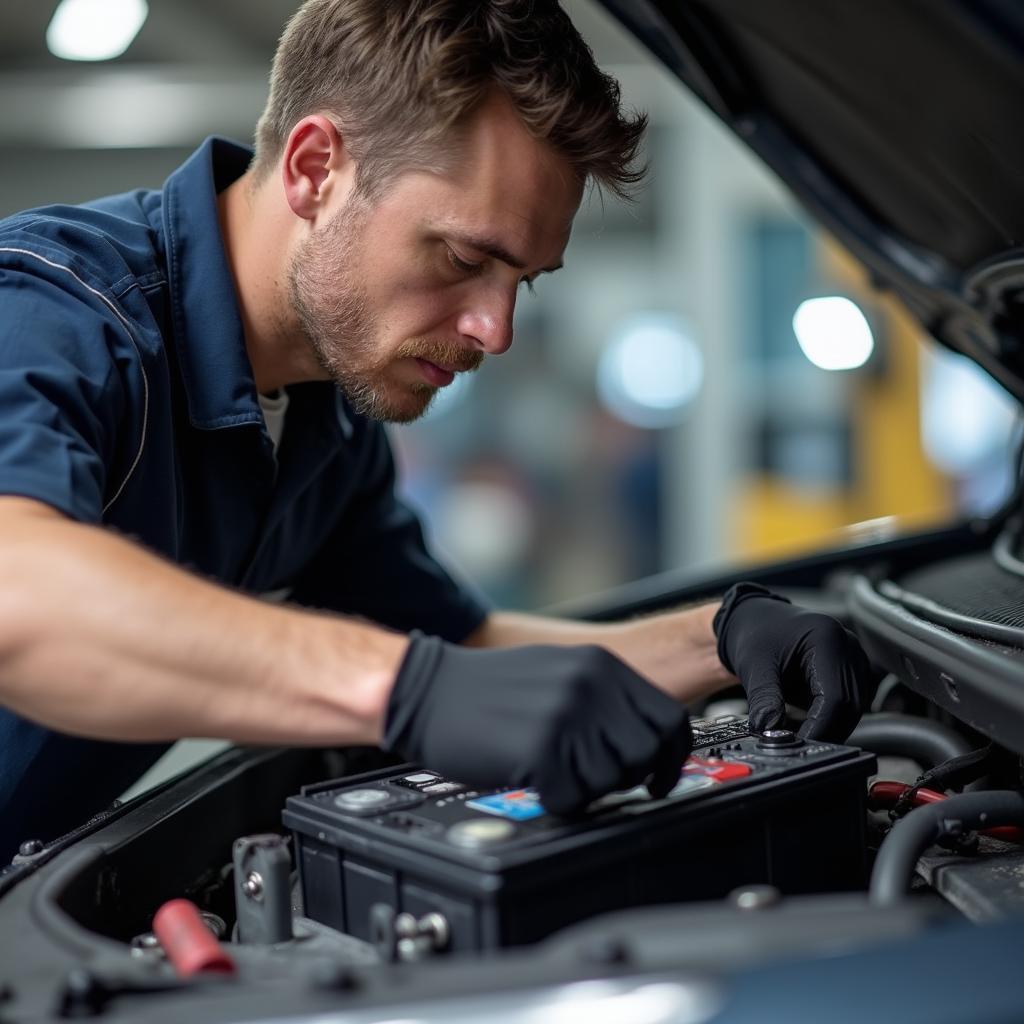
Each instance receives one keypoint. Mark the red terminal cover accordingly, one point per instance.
(188, 943)
(722, 771)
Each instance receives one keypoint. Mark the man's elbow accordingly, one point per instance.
(483, 635)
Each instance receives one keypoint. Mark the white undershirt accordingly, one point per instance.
(274, 407)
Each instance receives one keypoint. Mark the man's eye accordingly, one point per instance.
(460, 264)
(529, 284)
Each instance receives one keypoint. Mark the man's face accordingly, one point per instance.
(397, 295)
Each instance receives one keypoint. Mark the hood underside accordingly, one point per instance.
(897, 124)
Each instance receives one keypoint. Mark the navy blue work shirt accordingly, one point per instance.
(127, 399)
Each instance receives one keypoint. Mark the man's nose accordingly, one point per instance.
(488, 321)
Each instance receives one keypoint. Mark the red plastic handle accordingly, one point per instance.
(188, 943)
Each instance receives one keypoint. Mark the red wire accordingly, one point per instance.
(885, 794)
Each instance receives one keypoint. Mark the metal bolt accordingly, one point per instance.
(435, 926)
(417, 938)
(83, 996)
(253, 886)
(215, 923)
(755, 897)
(147, 947)
(410, 950)
(30, 847)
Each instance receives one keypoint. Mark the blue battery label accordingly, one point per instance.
(518, 804)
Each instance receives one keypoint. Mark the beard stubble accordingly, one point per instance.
(334, 314)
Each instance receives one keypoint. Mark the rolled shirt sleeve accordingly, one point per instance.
(60, 392)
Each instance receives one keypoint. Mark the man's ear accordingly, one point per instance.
(315, 163)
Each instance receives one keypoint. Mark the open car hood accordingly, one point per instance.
(897, 126)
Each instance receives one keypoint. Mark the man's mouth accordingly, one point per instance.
(441, 376)
(436, 375)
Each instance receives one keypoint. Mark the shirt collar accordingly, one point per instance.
(215, 366)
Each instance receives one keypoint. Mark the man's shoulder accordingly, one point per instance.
(110, 244)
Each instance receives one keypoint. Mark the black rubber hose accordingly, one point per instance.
(912, 835)
(921, 739)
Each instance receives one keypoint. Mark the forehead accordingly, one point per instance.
(502, 183)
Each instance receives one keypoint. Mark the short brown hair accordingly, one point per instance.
(397, 76)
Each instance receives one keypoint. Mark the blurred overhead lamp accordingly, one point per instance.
(833, 333)
(966, 418)
(650, 371)
(94, 29)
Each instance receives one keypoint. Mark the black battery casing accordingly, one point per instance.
(796, 822)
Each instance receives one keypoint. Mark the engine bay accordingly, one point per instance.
(315, 881)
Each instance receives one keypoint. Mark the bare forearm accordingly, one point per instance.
(675, 650)
(98, 637)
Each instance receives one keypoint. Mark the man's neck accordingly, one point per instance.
(256, 242)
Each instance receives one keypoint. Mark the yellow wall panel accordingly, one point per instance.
(892, 477)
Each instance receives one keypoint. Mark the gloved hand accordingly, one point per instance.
(783, 653)
(574, 722)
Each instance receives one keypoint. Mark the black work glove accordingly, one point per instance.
(783, 653)
(574, 722)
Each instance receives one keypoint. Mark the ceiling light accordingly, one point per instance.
(833, 333)
(650, 371)
(94, 29)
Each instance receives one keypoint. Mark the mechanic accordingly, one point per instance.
(192, 388)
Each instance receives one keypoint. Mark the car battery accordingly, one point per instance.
(501, 871)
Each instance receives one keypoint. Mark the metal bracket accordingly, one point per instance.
(262, 889)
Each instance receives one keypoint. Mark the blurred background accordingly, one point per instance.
(708, 382)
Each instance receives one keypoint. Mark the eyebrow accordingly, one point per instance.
(489, 247)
